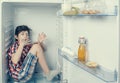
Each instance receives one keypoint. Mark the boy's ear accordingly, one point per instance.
(16, 37)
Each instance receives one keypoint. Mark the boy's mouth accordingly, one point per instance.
(25, 39)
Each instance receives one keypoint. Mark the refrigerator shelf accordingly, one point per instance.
(110, 12)
(99, 72)
(39, 78)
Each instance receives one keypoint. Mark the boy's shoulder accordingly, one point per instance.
(12, 48)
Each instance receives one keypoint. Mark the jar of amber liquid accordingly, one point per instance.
(82, 50)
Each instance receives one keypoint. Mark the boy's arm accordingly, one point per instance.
(41, 38)
(16, 56)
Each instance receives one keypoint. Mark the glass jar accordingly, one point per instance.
(82, 50)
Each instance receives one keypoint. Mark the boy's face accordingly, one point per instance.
(23, 35)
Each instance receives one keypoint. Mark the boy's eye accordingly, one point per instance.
(24, 33)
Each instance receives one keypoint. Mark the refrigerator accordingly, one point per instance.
(100, 30)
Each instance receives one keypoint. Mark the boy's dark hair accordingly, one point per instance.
(22, 28)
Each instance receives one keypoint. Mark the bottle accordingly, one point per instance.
(82, 50)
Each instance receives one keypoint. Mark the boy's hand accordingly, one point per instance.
(24, 42)
(41, 37)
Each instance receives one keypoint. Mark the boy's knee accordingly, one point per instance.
(37, 47)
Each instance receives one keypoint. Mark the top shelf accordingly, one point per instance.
(110, 11)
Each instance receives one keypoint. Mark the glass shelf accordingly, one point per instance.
(100, 72)
(111, 12)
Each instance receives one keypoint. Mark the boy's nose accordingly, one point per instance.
(25, 36)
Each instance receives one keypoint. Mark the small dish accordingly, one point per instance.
(91, 64)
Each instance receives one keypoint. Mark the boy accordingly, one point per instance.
(22, 56)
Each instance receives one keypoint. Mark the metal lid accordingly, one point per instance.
(82, 40)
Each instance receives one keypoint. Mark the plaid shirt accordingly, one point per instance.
(14, 69)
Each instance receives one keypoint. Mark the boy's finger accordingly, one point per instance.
(28, 43)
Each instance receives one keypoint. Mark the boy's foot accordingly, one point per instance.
(52, 74)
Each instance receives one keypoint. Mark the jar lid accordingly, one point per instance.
(81, 39)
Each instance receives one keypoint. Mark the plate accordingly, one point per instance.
(91, 64)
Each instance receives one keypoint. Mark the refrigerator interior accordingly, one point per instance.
(102, 34)
(40, 17)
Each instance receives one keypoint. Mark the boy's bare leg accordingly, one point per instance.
(38, 51)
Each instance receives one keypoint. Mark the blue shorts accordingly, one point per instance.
(28, 67)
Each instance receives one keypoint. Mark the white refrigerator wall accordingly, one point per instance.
(7, 22)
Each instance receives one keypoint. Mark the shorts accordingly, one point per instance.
(28, 67)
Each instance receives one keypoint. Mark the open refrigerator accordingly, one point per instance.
(101, 31)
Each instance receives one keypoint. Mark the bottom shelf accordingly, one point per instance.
(100, 72)
(39, 78)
